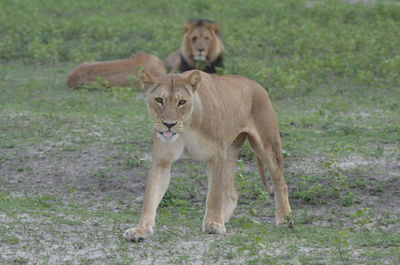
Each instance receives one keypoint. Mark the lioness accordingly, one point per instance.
(208, 118)
(201, 48)
(117, 72)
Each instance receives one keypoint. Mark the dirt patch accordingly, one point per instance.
(50, 168)
(391, 166)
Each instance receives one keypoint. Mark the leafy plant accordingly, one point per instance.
(340, 240)
(361, 218)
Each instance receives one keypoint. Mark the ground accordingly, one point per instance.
(73, 163)
(73, 166)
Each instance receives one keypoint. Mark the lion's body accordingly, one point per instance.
(218, 115)
(201, 48)
(116, 73)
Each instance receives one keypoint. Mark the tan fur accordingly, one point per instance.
(219, 114)
(116, 72)
(207, 38)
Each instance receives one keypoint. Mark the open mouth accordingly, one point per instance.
(167, 134)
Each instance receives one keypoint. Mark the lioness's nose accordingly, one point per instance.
(169, 124)
(200, 49)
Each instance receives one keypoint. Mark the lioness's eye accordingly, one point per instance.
(207, 38)
(194, 39)
(159, 100)
(181, 102)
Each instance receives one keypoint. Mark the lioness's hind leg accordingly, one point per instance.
(275, 167)
(270, 153)
(261, 171)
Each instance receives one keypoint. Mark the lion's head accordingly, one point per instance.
(170, 101)
(201, 42)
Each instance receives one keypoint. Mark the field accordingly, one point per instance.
(73, 163)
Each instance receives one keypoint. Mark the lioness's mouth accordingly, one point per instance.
(167, 134)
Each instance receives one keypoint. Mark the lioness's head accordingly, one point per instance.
(201, 41)
(170, 101)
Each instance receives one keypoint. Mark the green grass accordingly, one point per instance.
(293, 46)
(73, 163)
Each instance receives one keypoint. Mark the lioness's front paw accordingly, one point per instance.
(135, 234)
(212, 227)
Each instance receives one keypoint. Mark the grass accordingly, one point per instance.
(73, 163)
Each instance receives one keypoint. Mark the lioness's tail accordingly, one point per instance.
(261, 170)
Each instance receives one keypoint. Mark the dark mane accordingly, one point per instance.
(200, 22)
(211, 68)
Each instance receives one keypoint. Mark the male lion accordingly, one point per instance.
(201, 48)
(208, 118)
(117, 72)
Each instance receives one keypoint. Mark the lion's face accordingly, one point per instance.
(201, 42)
(200, 39)
(170, 102)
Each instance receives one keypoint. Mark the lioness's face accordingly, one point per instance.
(170, 102)
(200, 39)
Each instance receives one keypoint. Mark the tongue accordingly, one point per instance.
(168, 134)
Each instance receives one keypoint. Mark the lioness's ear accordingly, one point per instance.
(146, 80)
(194, 79)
